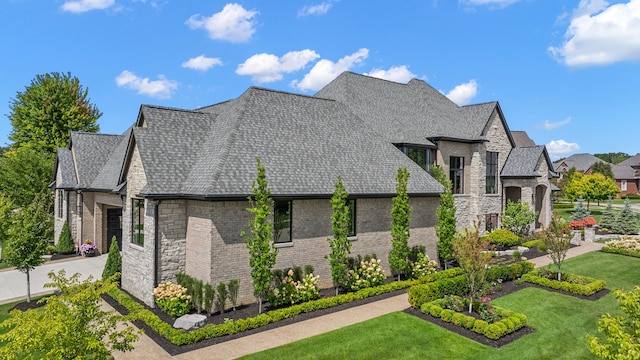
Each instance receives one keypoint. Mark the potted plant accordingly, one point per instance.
(88, 248)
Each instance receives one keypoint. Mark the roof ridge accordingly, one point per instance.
(171, 108)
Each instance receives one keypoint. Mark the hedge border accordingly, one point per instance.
(511, 321)
(591, 287)
(626, 252)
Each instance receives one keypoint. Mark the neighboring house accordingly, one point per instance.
(181, 178)
(625, 173)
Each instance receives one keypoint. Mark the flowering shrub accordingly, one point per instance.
(486, 311)
(369, 274)
(172, 299)
(589, 221)
(291, 292)
(625, 242)
(423, 266)
(87, 248)
(576, 224)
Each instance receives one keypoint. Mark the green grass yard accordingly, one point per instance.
(562, 324)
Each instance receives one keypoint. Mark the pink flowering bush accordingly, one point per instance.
(88, 248)
(368, 274)
(291, 292)
(172, 299)
(423, 266)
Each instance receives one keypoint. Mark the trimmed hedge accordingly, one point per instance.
(458, 285)
(503, 237)
(563, 206)
(619, 251)
(574, 284)
(511, 321)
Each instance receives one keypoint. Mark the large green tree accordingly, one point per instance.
(6, 209)
(51, 106)
(400, 217)
(72, 325)
(25, 173)
(594, 187)
(339, 243)
(29, 233)
(446, 213)
(602, 168)
(614, 158)
(262, 250)
(622, 332)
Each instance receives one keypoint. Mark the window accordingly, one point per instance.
(456, 174)
(282, 221)
(351, 204)
(138, 222)
(492, 172)
(491, 222)
(60, 199)
(623, 185)
(422, 156)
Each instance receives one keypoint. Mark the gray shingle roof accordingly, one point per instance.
(632, 161)
(623, 172)
(521, 138)
(408, 113)
(91, 152)
(523, 162)
(304, 143)
(582, 162)
(109, 175)
(64, 163)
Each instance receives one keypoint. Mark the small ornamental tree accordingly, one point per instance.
(608, 217)
(557, 239)
(518, 217)
(400, 217)
(65, 243)
(28, 233)
(262, 250)
(72, 324)
(622, 332)
(446, 213)
(580, 212)
(114, 261)
(471, 252)
(626, 221)
(339, 243)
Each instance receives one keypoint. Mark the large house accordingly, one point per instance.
(173, 188)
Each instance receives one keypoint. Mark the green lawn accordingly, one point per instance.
(562, 324)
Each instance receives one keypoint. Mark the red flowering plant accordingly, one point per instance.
(576, 224)
(589, 221)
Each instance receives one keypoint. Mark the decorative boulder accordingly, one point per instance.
(190, 321)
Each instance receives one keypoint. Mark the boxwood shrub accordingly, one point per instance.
(575, 284)
(627, 252)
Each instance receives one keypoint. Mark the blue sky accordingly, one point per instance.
(565, 71)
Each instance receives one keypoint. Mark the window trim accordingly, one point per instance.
(491, 172)
(60, 207)
(276, 236)
(623, 185)
(137, 221)
(353, 219)
(459, 173)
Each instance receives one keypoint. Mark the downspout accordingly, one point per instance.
(156, 248)
(79, 209)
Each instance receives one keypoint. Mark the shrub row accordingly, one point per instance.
(458, 285)
(575, 284)
(539, 244)
(509, 323)
(182, 337)
(563, 206)
(619, 251)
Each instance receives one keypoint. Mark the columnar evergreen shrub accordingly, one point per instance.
(114, 261)
(446, 213)
(626, 221)
(400, 217)
(209, 294)
(608, 217)
(65, 241)
(234, 286)
(339, 243)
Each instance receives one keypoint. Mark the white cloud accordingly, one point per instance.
(265, 68)
(161, 88)
(201, 63)
(80, 6)
(463, 93)
(560, 148)
(399, 74)
(234, 23)
(600, 34)
(325, 70)
(319, 9)
(554, 125)
(494, 3)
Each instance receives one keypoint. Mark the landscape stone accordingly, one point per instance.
(190, 321)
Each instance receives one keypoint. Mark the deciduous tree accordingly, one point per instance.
(602, 168)
(25, 173)
(518, 217)
(557, 239)
(339, 243)
(262, 250)
(72, 325)
(446, 213)
(400, 217)
(471, 252)
(53, 105)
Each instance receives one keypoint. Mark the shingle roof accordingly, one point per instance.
(64, 163)
(523, 162)
(582, 162)
(91, 152)
(408, 113)
(632, 161)
(521, 138)
(623, 172)
(304, 142)
(109, 175)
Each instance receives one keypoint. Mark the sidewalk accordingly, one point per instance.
(146, 348)
(13, 283)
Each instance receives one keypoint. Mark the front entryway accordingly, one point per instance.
(114, 226)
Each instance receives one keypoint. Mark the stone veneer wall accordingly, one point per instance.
(214, 251)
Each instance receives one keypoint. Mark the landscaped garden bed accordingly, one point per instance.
(626, 245)
(570, 283)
